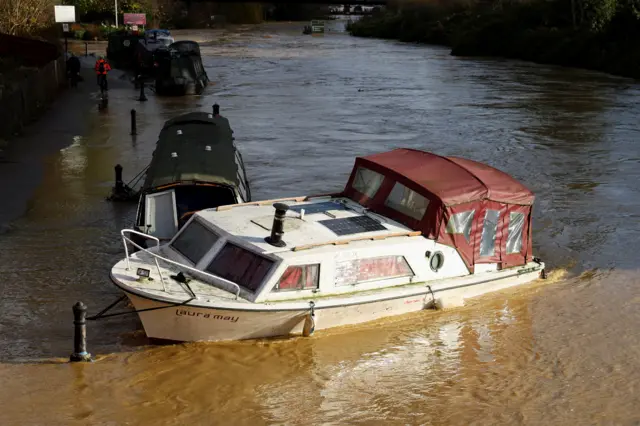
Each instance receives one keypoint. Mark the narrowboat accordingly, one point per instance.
(179, 70)
(411, 230)
(196, 165)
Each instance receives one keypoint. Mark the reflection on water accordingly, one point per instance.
(561, 352)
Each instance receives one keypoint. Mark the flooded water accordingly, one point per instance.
(564, 351)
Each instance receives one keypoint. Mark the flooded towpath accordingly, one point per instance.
(563, 352)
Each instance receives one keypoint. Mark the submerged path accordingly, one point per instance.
(302, 108)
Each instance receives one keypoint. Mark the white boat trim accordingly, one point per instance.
(320, 301)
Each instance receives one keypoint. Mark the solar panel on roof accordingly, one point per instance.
(317, 207)
(352, 225)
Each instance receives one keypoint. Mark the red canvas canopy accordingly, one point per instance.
(482, 211)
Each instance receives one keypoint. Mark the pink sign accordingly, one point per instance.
(135, 19)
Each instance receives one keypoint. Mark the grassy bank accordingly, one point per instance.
(594, 34)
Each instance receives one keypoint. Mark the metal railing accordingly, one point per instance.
(157, 257)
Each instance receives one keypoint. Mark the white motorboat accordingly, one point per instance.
(411, 230)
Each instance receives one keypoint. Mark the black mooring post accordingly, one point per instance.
(86, 49)
(119, 184)
(133, 122)
(216, 110)
(142, 95)
(80, 353)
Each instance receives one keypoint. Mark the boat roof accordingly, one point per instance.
(194, 147)
(252, 222)
(453, 180)
(185, 46)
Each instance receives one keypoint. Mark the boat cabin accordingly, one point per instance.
(405, 218)
(481, 211)
(196, 165)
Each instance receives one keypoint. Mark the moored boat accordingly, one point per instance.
(196, 165)
(146, 50)
(410, 231)
(180, 70)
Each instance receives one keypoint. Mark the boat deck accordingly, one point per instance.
(324, 221)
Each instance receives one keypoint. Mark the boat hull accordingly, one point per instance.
(202, 323)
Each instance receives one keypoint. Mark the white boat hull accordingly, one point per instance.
(199, 323)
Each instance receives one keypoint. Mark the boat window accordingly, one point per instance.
(460, 223)
(194, 241)
(367, 181)
(407, 201)
(374, 268)
(243, 267)
(514, 240)
(488, 240)
(299, 277)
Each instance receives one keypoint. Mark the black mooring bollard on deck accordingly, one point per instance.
(80, 353)
(133, 122)
(119, 184)
(216, 110)
(143, 97)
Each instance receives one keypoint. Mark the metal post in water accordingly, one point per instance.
(80, 353)
(119, 184)
(142, 95)
(133, 122)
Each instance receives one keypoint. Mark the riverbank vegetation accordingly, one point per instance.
(594, 34)
(96, 17)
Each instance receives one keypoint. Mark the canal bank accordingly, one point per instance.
(302, 108)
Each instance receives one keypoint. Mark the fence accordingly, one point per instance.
(26, 92)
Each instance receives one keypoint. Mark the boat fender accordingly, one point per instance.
(309, 321)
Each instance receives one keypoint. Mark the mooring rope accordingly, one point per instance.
(101, 315)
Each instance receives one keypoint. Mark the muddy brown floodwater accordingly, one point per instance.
(565, 351)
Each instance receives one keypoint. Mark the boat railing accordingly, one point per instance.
(157, 257)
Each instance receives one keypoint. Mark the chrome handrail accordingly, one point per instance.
(126, 250)
(164, 259)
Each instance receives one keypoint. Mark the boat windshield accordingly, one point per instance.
(243, 267)
(194, 241)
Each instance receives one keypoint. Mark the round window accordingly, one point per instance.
(436, 262)
(126, 43)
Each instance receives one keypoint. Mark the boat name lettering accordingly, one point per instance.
(182, 312)
(412, 301)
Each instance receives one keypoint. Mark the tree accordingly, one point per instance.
(594, 15)
(19, 17)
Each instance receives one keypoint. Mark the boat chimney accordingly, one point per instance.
(216, 110)
(275, 239)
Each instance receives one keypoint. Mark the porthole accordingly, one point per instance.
(436, 262)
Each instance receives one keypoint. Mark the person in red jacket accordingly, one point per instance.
(102, 68)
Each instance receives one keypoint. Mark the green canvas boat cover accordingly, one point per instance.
(194, 147)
